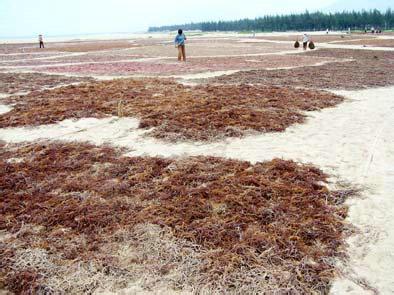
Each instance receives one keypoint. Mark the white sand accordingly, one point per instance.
(353, 142)
(205, 75)
(98, 131)
(4, 95)
(4, 109)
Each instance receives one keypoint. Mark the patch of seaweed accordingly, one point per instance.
(193, 113)
(89, 46)
(165, 67)
(366, 69)
(23, 82)
(242, 227)
(23, 282)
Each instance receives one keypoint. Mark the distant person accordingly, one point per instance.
(180, 44)
(41, 41)
(305, 40)
(327, 31)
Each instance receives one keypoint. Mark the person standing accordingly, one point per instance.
(305, 40)
(180, 44)
(41, 41)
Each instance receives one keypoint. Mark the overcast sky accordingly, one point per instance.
(59, 17)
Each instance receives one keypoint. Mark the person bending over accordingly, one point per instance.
(180, 44)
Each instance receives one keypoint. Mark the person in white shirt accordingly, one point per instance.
(41, 41)
(305, 40)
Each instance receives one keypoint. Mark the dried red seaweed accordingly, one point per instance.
(176, 111)
(23, 282)
(167, 67)
(275, 216)
(365, 69)
(24, 82)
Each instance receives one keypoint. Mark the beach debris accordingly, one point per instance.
(120, 108)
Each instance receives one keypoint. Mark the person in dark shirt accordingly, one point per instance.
(41, 41)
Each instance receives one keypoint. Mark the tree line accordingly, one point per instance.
(317, 21)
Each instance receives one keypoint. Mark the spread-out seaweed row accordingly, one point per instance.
(174, 111)
(199, 223)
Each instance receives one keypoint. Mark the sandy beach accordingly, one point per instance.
(351, 140)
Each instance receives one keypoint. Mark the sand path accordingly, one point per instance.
(353, 142)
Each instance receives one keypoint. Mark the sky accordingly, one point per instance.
(25, 18)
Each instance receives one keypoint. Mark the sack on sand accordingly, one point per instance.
(311, 45)
(297, 44)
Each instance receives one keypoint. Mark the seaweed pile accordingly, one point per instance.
(117, 68)
(90, 46)
(23, 82)
(74, 46)
(367, 69)
(17, 48)
(174, 110)
(79, 218)
(211, 48)
(44, 64)
(26, 56)
(372, 42)
(356, 54)
(162, 67)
